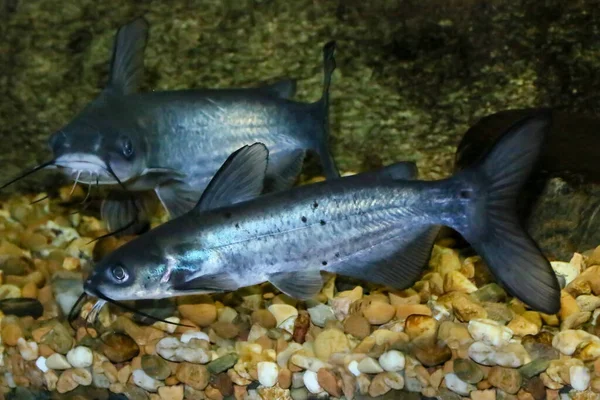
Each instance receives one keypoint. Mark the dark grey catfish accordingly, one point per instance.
(173, 142)
(377, 226)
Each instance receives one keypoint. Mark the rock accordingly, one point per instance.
(357, 326)
(369, 365)
(155, 367)
(58, 338)
(11, 333)
(226, 330)
(432, 354)
(492, 292)
(284, 378)
(267, 373)
(41, 364)
(456, 385)
(568, 341)
(521, 326)
(66, 288)
(588, 302)
(589, 352)
(588, 282)
(420, 326)
(194, 375)
(222, 364)
(534, 368)
(378, 313)
(330, 341)
(508, 380)
(489, 332)
(308, 363)
(118, 347)
(575, 320)
(454, 281)
(311, 382)
(467, 371)
(28, 349)
(170, 348)
(144, 381)
(579, 377)
(284, 355)
(171, 392)
(9, 292)
(66, 383)
(509, 355)
(392, 361)
(378, 386)
(453, 334)
(404, 310)
(264, 318)
(467, 310)
(200, 314)
(189, 335)
(301, 325)
(559, 370)
(284, 315)
(22, 307)
(499, 312)
(327, 380)
(57, 361)
(80, 357)
(321, 314)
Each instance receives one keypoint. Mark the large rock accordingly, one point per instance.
(559, 204)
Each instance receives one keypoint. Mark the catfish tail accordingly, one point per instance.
(321, 136)
(492, 227)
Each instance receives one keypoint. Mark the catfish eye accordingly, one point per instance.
(127, 148)
(119, 273)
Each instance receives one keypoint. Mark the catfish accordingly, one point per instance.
(173, 142)
(378, 226)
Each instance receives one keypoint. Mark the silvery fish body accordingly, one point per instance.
(377, 226)
(173, 142)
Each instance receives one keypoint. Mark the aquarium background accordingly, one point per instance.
(412, 75)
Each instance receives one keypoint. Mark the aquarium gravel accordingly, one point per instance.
(455, 334)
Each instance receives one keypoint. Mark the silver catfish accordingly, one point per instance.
(173, 142)
(379, 227)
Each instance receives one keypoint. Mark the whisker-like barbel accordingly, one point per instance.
(29, 172)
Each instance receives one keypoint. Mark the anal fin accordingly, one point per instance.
(302, 284)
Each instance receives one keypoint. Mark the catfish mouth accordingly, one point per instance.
(86, 168)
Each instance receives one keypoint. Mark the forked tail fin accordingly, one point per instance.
(492, 226)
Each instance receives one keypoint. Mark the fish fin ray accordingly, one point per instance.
(494, 230)
(389, 264)
(119, 209)
(222, 282)
(240, 178)
(303, 284)
(127, 65)
(177, 197)
(283, 175)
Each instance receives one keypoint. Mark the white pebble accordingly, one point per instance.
(57, 361)
(283, 313)
(570, 340)
(41, 364)
(189, 335)
(311, 382)
(284, 356)
(170, 348)
(489, 332)
(392, 361)
(256, 331)
(9, 379)
(353, 368)
(580, 377)
(457, 385)
(144, 381)
(320, 314)
(165, 327)
(80, 357)
(267, 373)
(369, 365)
(308, 363)
(29, 350)
(511, 355)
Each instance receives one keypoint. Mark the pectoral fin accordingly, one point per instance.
(303, 284)
(120, 209)
(205, 283)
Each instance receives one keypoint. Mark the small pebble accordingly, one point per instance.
(579, 376)
(467, 370)
(171, 392)
(267, 373)
(369, 365)
(194, 375)
(392, 360)
(141, 379)
(199, 314)
(188, 335)
(320, 314)
(378, 313)
(57, 361)
(80, 357)
(155, 367)
(264, 318)
(357, 326)
(41, 364)
(118, 347)
(311, 382)
(28, 349)
(458, 386)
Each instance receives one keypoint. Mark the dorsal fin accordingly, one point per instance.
(284, 88)
(240, 178)
(127, 65)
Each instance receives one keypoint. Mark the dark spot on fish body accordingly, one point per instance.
(315, 204)
(337, 254)
(466, 194)
(303, 219)
(237, 226)
(323, 222)
(324, 263)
